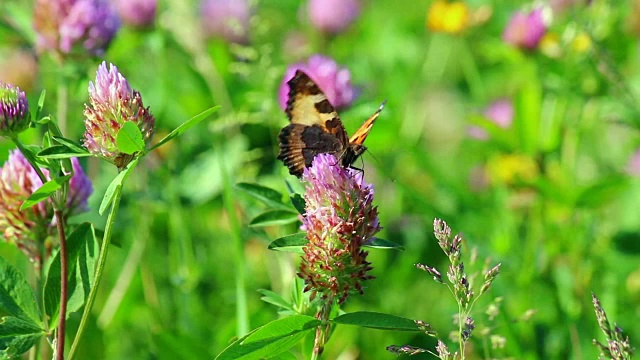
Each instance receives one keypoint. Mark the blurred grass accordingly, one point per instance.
(569, 229)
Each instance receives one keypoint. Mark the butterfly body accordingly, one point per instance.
(316, 128)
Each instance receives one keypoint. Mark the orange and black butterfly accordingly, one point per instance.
(316, 128)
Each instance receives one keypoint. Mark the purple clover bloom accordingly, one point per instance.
(633, 166)
(28, 228)
(335, 82)
(500, 112)
(63, 25)
(137, 13)
(333, 16)
(339, 219)
(14, 110)
(112, 103)
(227, 19)
(525, 30)
(80, 188)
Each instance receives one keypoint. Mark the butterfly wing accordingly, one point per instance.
(361, 134)
(315, 126)
(356, 147)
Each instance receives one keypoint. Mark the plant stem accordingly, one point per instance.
(236, 232)
(64, 270)
(323, 329)
(27, 154)
(102, 259)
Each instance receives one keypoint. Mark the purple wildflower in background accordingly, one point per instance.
(525, 30)
(227, 19)
(112, 103)
(339, 219)
(333, 16)
(137, 13)
(500, 112)
(14, 110)
(64, 25)
(334, 81)
(25, 229)
(633, 166)
(28, 228)
(80, 188)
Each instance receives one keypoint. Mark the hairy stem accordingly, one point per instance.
(64, 277)
(322, 332)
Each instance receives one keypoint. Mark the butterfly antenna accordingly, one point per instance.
(380, 165)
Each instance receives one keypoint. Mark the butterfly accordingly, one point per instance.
(316, 128)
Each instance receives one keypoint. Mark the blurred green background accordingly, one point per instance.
(554, 197)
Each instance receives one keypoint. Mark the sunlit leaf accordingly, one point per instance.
(264, 194)
(16, 296)
(45, 191)
(377, 321)
(271, 339)
(274, 217)
(186, 125)
(129, 139)
(17, 336)
(384, 244)
(290, 243)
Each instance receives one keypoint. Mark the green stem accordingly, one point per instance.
(461, 318)
(29, 156)
(64, 277)
(236, 232)
(323, 329)
(102, 259)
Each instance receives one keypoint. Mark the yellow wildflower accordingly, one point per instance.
(448, 17)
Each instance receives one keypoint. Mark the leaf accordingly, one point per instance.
(186, 125)
(290, 243)
(274, 217)
(73, 145)
(61, 152)
(129, 138)
(298, 202)
(276, 299)
(271, 339)
(602, 192)
(16, 296)
(17, 336)
(39, 107)
(375, 320)
(384, 244)
(45, 191)
(115, 184)
(264, 194)
(76, 242)
(80, 285)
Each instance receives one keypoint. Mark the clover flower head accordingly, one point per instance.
(112, 102)
(28, 228)
(500, 112)
(14, 110)
(333, 16)
(65, 25)
(334, 81)
(526, 29)
(137, 13)
(227, 19)
(339, 219)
